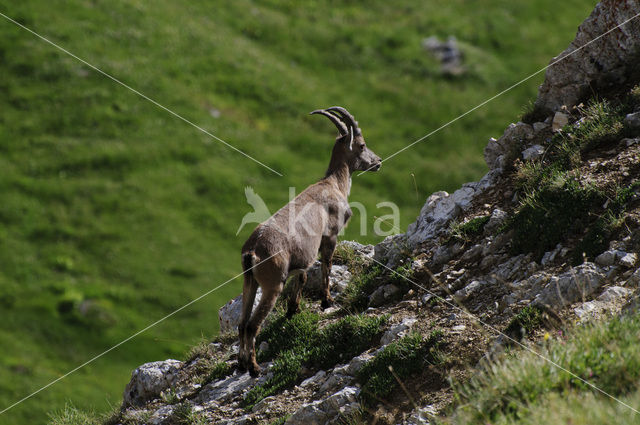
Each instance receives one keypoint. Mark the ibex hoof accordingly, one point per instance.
(291, 311)
(326, 303)
(254, 370)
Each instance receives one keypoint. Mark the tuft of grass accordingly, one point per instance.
(596, 239)
(397, 360)
(184, 414)
(466, 230)
(299, 342)
(70, 415)
(525, 322)
(356, 294)
(562, 206)
(280, 421)
(521, 386)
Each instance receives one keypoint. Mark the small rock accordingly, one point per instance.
(629, 260)
(539, 126)
(357, 362)
(230, 314)
(632, 120)
(559, 120)
(607, 258)
(534, 152)
(315, 379)
(495, 221)
(614, 293)
(149, 380)
(264, 346)
(383, 294)
(396, 331)
(459, 328)
(465, 293)
(586, 309)
(630, 142)
(447, 52)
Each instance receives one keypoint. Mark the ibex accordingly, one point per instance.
(288, 243)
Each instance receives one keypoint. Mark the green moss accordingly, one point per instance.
(397, 361)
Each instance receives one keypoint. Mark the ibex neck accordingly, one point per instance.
(341, 175)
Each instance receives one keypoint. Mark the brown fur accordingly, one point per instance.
(288, 243)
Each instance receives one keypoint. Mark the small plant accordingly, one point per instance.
(356, 294)
(169, 396)
(279, 421)
(184, 414)
(525, 322)
(465, 231)
(398, 360)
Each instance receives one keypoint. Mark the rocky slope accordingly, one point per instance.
(549, 236)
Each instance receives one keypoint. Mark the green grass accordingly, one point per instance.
(556, 203)
(523, 388)
(464, 231)
(107, 199)
(297, 342)
(529, 319)
(397, 361)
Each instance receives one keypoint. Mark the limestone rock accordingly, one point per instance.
(383, 294)
(442, 207)
(534, 152)
(391, 250)
(149, 380)
(327, 411)
(500, 152)
(230, 314)
(397, 331)
(559, 121)
(607, 61)
(632, 120)
(571, 286)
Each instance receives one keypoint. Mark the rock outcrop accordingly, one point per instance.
(602, 62)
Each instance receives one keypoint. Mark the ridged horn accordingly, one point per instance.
(342, 128)
(346, 117)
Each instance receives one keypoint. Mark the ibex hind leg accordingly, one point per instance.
(267, 301)
(249, 289)
(294, 300)
(327, 246)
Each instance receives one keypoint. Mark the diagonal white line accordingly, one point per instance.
(492, 328)
(504, 91)
(131, 337)
(175, 114)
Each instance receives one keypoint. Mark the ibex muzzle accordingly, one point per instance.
(288, 243)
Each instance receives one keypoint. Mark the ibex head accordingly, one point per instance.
(350, 146)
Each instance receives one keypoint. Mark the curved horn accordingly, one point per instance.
(334, 119)
(346, 117)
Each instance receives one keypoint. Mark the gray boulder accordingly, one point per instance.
(149, 380)
(608, 61)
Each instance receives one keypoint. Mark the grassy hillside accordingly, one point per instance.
(113, 213)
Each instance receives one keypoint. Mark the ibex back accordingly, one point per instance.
(288, 243)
